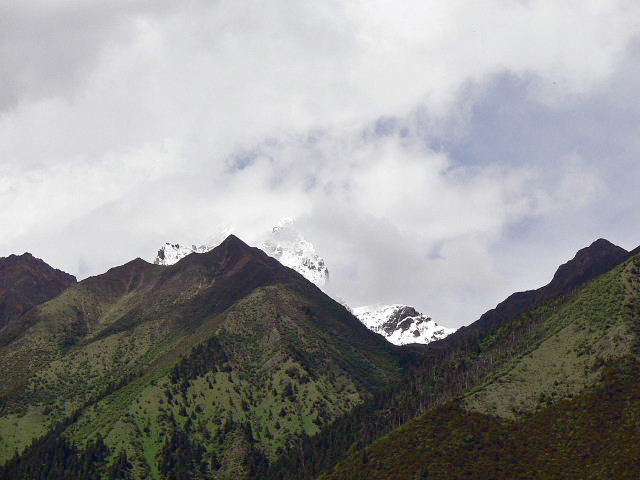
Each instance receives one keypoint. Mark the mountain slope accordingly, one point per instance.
(26, 281)
(567, 408)
(470, 357)
(593, 436)
(227, 349)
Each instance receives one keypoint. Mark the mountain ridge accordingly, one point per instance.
(26, 281)
(229, 335)
(449, 367)
(284, 243)
(541, 429)
(589, 262)
(288, 245)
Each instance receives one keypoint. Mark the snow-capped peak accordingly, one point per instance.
(401, 324)
(170, 253)
(287, 245)
(398, 323)
(284, 243)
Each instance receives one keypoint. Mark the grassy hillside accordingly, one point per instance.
(228, 351)
(474, 356)
(591, 436)
(582, 334)
(568, 408)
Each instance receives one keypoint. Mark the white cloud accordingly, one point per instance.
(126, 124)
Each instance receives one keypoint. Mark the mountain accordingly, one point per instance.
(284, 243)
(289, 247)
(589, 262)
(26, 281)
(228, 365)
(568, 407)
(535, 347)
(401, 324)
(222, 360)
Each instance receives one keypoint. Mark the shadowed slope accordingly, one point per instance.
(567, 408)
(596, 259)
(26, 281)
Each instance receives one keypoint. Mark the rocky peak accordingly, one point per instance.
(589, 262)
(26, 281)
(401, 324)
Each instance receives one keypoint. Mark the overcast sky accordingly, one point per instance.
(438, 153)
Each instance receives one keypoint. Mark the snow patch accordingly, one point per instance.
(285, 243)
(401, 324)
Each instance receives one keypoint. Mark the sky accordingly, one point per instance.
(441, 153)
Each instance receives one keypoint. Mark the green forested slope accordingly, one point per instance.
(468, 360)
(229, 366)
(228, 352)
(569, 408)
(591, 436)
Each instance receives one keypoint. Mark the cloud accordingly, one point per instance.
(400, 222)
(421, 146)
